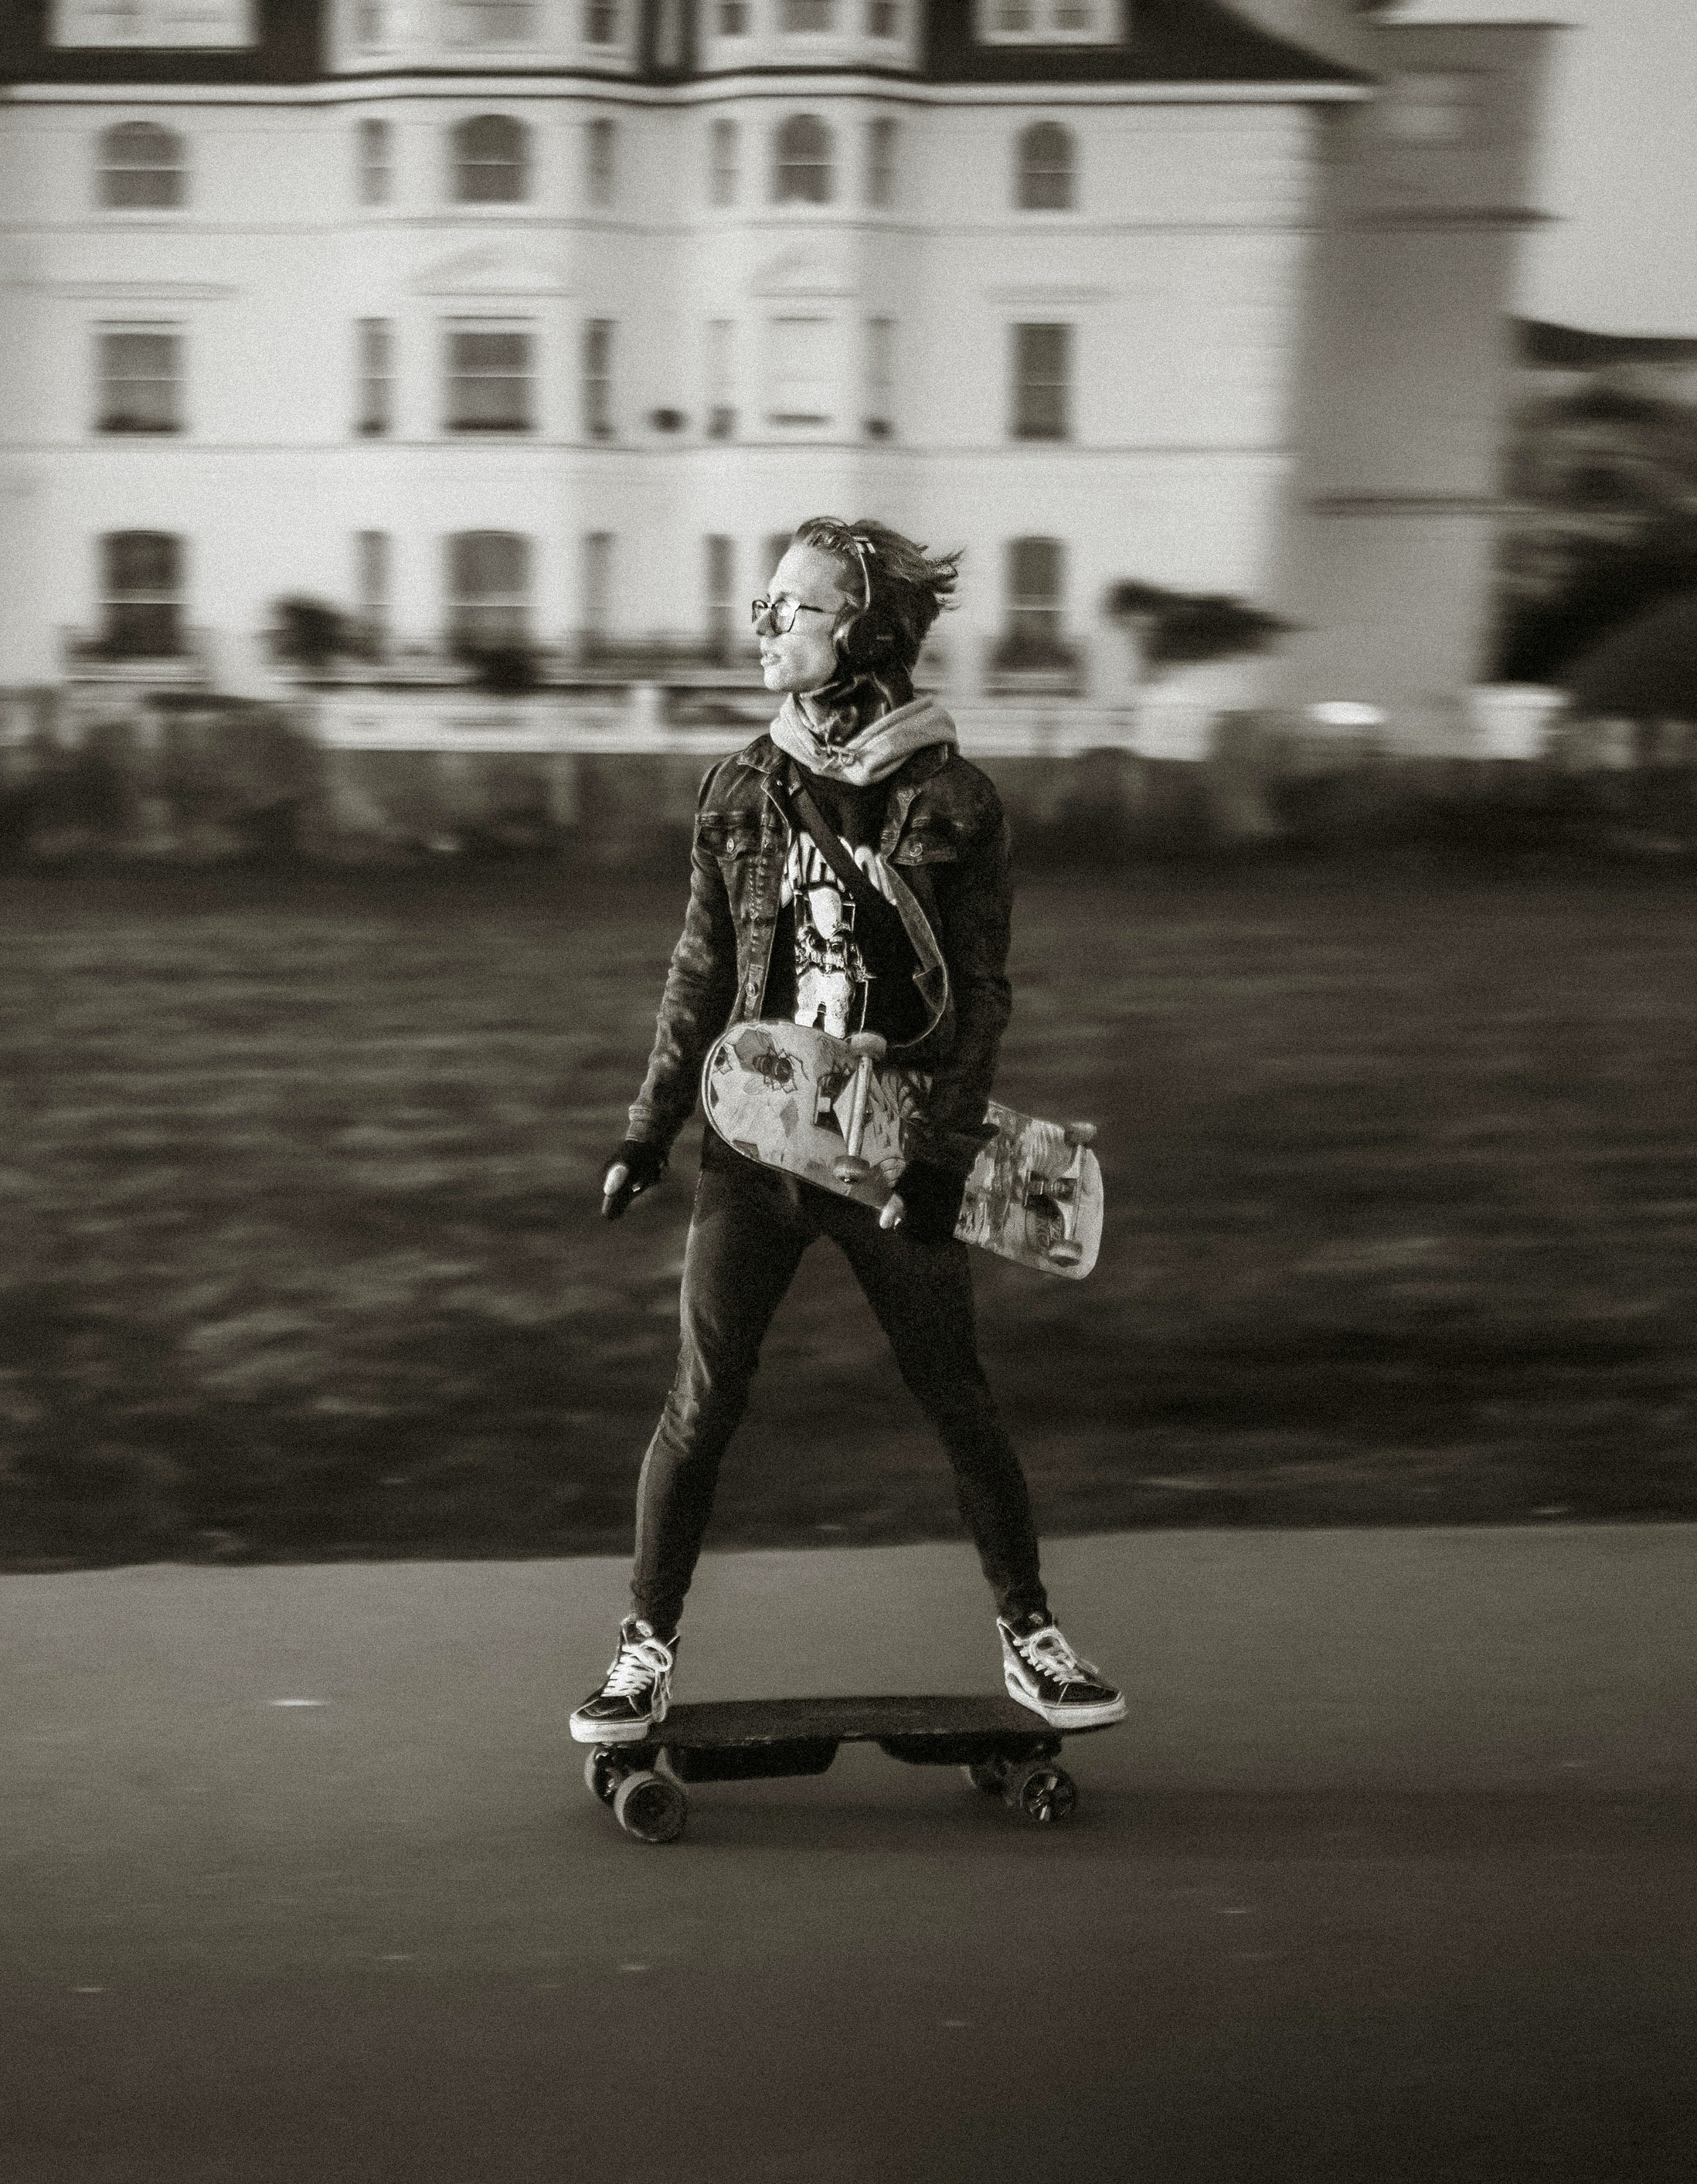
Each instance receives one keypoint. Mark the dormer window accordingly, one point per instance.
(492, 22)
(203, 24)
(1050, 22)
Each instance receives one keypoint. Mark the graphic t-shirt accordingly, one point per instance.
(824, 973)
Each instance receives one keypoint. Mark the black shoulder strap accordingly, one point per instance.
(828, 843)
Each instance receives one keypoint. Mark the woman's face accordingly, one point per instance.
(803, 658)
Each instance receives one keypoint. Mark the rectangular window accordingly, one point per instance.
(880, 161)
(800, 387)
(141, 379)
(1428, 107)
(209, 24)
(809, 14)
(723, 172)
(1035, 613)
(142, 164)
(669, 34)
(881, 19)
(491, 378)
(733, 19)
(600, 160)
(374, 23)
(880, 360)
(492, 22)
(377, 157)
(141, 593)
(598, 379)
(721, 379)
(598, 588)
(374, 411)
(600, 22)
(488, 590)
(1050, 22)
(1042, 382)
(372, 559)
(777, 546)
(721, 584)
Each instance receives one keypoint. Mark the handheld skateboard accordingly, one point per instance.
(831, 1111)
(1005, 1750)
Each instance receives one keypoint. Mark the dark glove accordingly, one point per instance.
(643, 1165)
(930, 1200)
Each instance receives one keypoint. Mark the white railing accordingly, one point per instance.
(1488, 724)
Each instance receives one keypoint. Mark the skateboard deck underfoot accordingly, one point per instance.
(787, 1096)
(1007, 1749)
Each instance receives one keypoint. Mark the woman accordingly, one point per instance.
(771, 931)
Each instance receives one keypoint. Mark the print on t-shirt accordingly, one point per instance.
(831, 976)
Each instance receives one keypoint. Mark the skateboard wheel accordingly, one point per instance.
(990, 1775)
(650, 1807)
(849, 1169)
(869, 1044)
(1042, 1791)
(1079, 1134)
(1066, 1253)
(603, 1772)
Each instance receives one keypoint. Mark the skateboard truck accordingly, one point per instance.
(868, 1049)
(1047, 1196)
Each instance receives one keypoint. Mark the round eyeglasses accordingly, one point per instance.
(783, 613)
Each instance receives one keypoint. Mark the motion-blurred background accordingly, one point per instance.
(402, 402)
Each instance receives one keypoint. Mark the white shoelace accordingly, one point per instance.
(640, 1662)
(1048, 1651)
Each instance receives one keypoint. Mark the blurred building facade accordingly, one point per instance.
(500, 321)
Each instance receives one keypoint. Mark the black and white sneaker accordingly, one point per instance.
(1042, 1672)
(637, 1692)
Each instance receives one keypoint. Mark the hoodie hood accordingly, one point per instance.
(875, 752)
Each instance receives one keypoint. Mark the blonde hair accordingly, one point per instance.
(879, 638)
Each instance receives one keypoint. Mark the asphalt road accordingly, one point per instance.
(1389, 1877)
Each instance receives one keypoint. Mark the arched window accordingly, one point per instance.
(722, 176)
(491, 160)
(1046, 168)
(802, 169)
(141, 593)
(143, 165)
(600, 160)
(488, 589)
(377, 162)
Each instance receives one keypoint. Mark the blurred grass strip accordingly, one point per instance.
(298, 1181)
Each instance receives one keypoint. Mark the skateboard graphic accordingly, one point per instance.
(829, 1111)
(1005, 1751)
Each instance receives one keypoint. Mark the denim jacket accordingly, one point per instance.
(946, 839)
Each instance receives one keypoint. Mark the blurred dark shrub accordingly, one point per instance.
(1186, 628)
(312, 634)
(505, 670)
(1602, 486)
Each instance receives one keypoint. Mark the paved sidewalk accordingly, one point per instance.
(1389, 1876)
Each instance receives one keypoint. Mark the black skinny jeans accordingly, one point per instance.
(750, 1228)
